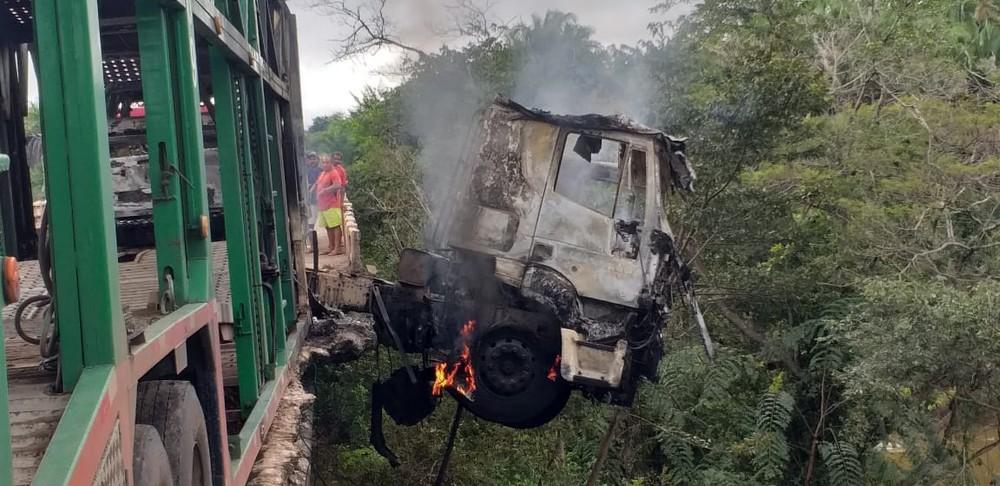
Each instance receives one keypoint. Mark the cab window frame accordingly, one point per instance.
(641, 196)
(566, 144)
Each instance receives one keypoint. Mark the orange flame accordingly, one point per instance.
(467, 329)
(446, 375)
(554, 370)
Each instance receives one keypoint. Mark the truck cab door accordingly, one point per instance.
(590, 228)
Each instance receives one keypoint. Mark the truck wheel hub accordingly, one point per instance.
(507, 366)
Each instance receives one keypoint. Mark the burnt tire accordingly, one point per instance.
(150, 465)
(173, 409)
(552, 410)
(513, 387)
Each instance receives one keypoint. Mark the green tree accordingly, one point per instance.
(843, 232)
(33, 129)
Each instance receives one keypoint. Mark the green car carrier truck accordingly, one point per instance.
(161, 359)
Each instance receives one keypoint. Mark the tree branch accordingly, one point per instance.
(369, 28)
(602, 451)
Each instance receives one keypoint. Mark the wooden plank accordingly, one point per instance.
(34, 416)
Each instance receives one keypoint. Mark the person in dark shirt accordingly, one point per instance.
(313, 171)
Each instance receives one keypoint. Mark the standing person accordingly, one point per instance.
(338, 163)
(328, 194)
(313, 171)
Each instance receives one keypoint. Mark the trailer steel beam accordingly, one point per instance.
(248, 442)
(267, 211)
(78, 183)
(176, 160)
(229, 89)
(213, 26)
(15, 185)
(275, 138)
(105, 396)
(294, 148)
(6, 459)
(82, 416)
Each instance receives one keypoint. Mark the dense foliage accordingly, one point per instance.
(844, 230)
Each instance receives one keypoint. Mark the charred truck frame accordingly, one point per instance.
(552, 268)
(164, 366)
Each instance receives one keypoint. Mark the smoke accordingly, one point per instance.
(557, 66)
(441, 107)
(420, 23)
(565, 72)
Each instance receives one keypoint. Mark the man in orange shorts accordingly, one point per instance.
(329, 187)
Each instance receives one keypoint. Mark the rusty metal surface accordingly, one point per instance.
(681, 172)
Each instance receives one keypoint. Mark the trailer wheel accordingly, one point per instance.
(149, 461)
(172, 407)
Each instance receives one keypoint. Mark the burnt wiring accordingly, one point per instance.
(652, 329)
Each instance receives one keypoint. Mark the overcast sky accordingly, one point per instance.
(329, 87)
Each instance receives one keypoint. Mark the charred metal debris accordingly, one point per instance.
(534, 287)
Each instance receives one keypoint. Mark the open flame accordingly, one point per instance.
(458, 375)
(554, 370)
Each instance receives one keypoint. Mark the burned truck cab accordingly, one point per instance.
(550, 269)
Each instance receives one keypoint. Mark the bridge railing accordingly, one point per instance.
(352, 238)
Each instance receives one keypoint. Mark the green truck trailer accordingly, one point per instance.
(163, 364)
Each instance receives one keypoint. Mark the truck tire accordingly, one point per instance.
(149, 461)
(513, 387)
(172, 407)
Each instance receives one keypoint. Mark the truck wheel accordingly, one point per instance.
(513, 387)
(172, 407)
(149, 461)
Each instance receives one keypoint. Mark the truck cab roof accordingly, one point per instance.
(682, 172)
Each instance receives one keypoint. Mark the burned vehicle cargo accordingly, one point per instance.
(133, 193)
(550, 269)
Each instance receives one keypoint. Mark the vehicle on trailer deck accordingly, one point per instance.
(148, 355)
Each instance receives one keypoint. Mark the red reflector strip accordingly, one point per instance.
(11, 280)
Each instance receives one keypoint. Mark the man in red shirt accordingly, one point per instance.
(329, 187)
(338, 164)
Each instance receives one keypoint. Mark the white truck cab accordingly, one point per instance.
(550, 267)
